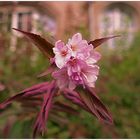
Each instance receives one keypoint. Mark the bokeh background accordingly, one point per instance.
(119, 81)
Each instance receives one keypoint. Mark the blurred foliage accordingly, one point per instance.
(118, 86)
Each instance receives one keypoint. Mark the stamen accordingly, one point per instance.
(64, 53)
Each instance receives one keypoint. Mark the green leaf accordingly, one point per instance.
(98, 42)
(44, 45)
(16, 130)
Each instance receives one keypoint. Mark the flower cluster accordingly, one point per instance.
(76, 62)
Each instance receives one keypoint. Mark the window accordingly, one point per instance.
(18, 19)
(25, 21)
(5, 21)
(118, 18)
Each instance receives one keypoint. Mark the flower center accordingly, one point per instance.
(64, 53)
(73, 61)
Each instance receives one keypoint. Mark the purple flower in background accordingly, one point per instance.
(74, 72)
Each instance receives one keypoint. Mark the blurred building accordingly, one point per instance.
(99, 18)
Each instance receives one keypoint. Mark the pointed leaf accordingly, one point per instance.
(58, 106)
(43, 114)
(49, 70)
(57, 118)
(74, 97)
(98, 42)
(94, 104)
(31, 101)
(32, 91)
(44, 45)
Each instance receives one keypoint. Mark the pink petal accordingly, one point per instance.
(93, 69)
(61, 77)
(96, 55)
(76, 38)
(72, 86)
(59, 61)
(59, 44)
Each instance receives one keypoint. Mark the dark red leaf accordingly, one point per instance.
(98, 42)
(94, 104)
(10, 100)
(31, 101)
(32, 91)
(44, 45)
(58, 118)
(49, 70)
(5, 132)
(58, 106)
(74, 97)
(43, 114)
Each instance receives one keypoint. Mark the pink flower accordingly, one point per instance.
(62, 54)
(93, 58)
(78, 46)
(76, 62)
(76, 72)
(62, 79)
(89, 75)
(81, 73)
